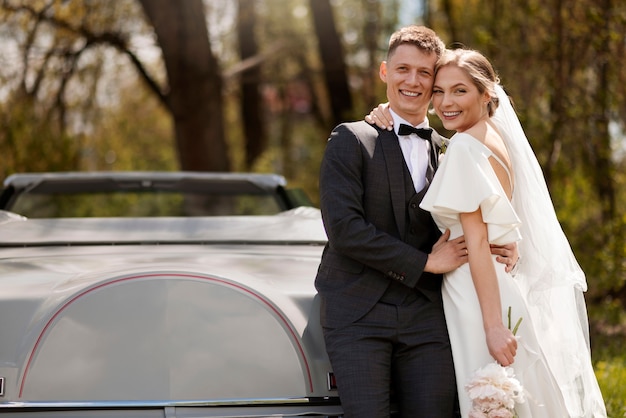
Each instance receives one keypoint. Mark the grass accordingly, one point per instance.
(611, 374)
(608, 341)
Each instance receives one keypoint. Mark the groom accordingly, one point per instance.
(379, 282)
(380, 275)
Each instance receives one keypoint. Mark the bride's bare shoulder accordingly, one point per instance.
(494, 141)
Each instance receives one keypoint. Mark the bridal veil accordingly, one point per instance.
(549, 275)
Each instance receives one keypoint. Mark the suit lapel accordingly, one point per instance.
(433, 161)
(394, 161)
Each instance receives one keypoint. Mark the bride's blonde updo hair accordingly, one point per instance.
(478, 68)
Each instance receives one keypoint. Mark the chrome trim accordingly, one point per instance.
(174, 403)
(1, 386)
(327, 407)
(331, 384)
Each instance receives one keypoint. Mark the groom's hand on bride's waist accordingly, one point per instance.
(447, 254)
(506, 254)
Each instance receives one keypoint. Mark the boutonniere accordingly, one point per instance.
(442, 143)
(444, 146)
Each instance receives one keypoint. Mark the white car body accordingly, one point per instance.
(163, 317)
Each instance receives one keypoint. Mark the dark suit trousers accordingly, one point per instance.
(405, 347)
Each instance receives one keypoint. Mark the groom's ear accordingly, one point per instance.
(382, 71)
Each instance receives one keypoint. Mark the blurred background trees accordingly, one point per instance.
(256, 85)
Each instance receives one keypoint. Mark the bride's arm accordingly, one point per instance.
(381, 117)
(500, 340)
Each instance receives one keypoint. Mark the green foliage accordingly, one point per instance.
(147, 203)
(611, 374)
(298, 160)
(609, 357)
(135, 134)
(26, 137)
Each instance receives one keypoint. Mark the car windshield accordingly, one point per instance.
(140, 204)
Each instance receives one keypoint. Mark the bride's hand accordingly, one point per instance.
(381, 117)
(502, 344)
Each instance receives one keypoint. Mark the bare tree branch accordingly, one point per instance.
(113, 39)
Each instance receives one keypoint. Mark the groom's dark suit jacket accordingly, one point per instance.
(378, 237)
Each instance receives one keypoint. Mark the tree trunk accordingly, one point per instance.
(371, 36)
(332, 56)
(251, 98)
(601, 141)
(448, 8)
(194, 97)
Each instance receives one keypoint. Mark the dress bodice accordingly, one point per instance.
(465, 182)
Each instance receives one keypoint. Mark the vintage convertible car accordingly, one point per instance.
(178, 316)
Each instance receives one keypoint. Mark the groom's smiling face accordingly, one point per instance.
(409, 73)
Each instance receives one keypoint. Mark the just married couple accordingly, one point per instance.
(429, 260)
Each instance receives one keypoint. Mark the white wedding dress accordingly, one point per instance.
(553, 360)
(464, 182)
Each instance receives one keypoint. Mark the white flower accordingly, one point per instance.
(494, 391)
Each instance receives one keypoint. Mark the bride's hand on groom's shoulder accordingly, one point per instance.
(381, 117)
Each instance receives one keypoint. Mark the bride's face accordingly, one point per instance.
(456, 99)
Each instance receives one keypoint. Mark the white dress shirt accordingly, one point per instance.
(416, 151)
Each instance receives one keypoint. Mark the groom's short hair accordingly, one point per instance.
(420, 36)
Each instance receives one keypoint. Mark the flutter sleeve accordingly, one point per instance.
(466, 181)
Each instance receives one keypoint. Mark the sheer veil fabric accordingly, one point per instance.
(549, 276)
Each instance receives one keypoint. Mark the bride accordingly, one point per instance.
(490, 188)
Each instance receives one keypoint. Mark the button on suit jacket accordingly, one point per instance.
(377, 234)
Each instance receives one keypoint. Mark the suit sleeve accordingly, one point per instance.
(349, 231)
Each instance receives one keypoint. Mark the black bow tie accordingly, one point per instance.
(408, 130)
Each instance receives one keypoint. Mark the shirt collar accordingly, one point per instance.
(397, 120)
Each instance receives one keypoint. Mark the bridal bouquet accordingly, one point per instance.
(494, 390)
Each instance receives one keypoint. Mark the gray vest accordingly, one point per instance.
(421, 232)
